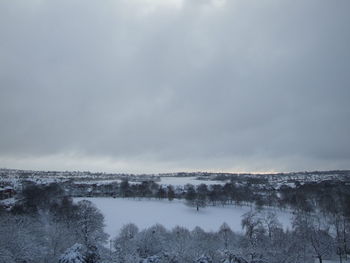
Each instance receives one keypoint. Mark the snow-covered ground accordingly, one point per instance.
(145, 213)
(98, 182)
(327, 261)
(181, 181)
(8, 202)
(167, 180)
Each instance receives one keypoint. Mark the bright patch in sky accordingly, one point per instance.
(150, 6)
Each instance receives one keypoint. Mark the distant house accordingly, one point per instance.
(6, 192)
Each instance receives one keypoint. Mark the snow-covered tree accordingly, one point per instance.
(180, 243)
(151, 241)
(128, 231)
(226, 235)
(232, 257)
(170, 192)
(90, 225)
(255, 238)
(303, 231)
(22, 238)
(73, 254)
(270, 223)
(314, 232)
(6, 256)
(194, 198)
(203, 259)
(92, 255)
(125, 244)
(151, 259)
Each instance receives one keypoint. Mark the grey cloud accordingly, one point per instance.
(249, 85)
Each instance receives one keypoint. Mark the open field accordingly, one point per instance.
(181, 181)
(145, 213)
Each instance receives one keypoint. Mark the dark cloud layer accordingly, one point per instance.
(157, 86)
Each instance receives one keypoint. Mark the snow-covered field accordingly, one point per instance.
(176, 181)
(145, 213)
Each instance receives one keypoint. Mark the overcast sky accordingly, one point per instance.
(175, 85)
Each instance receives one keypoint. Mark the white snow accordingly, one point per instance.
(98, 182)
(8, 201)
(145, 213)
(181, 181)
(327, 261)
(72, 255)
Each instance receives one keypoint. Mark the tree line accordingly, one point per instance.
(309, 196)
